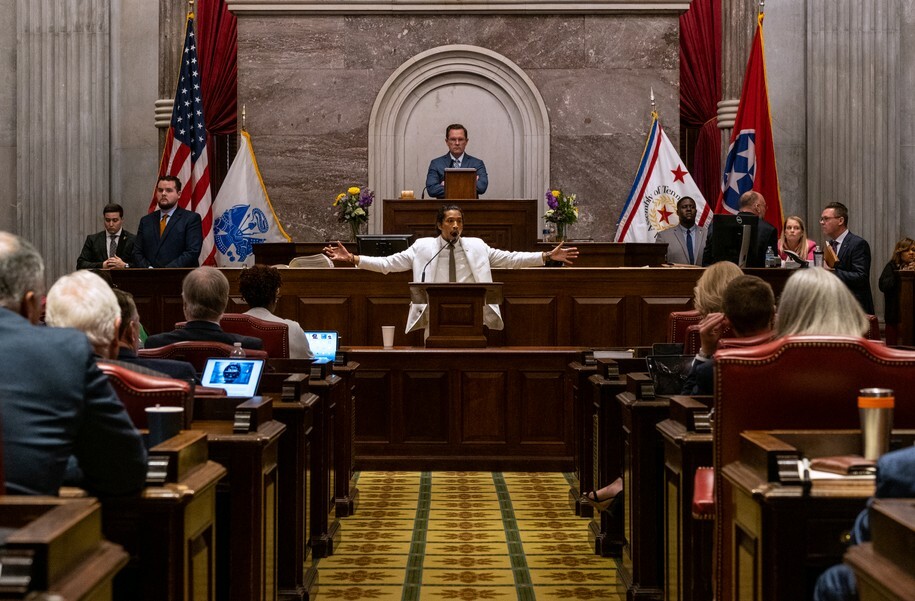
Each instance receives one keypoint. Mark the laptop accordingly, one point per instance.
(324, 346)
(668, 372)
(238, 377)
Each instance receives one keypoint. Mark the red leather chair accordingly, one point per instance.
(275, 335)
(138, 391)
(196, 353)
(873, 332)
(693, 342)
(796, 382)
(678, 321)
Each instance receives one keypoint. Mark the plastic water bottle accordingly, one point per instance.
(237, 351)
(817, 257)
(772, 259)
(546, 234)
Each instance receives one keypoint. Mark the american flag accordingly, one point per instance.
(185, 153)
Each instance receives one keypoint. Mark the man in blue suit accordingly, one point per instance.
(456, 138)
(848, 255)
(171, 236)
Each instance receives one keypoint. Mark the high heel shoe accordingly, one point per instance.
(590, 498)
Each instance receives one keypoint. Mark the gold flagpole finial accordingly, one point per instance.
(244, 112)
(190, 9)
(653, 103)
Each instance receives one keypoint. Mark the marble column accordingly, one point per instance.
(62, 117)
(738, 24)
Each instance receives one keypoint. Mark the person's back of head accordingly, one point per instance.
(815, 302)
(83, 300)
(129, 316)
(749, 305)
(259, 285)
(21, 276)
(710, 288)
(748, 200)
(205, 291)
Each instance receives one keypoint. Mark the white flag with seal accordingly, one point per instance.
(243, 215)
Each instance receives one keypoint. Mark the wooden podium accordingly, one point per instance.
(455, 311)
(460, 183)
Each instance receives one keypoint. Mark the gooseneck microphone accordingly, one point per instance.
(449, 245)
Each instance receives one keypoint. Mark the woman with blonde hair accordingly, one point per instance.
(903, 259)
(794, 238)
(709, 290)
(816, 302)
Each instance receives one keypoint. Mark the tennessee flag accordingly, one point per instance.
(750, 163)
(660, 182)
(244, 215)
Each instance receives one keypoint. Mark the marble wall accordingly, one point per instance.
(309, 83)
(8, 115)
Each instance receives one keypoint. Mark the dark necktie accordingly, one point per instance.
(452, 266)
(689, 246)
(835, 246)
(112, 246)
(455, 162)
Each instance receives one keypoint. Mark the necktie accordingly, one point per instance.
(456, 163)
(835, 246)
(112, 246)
(689, 246)
(452, 266)
(162, 223)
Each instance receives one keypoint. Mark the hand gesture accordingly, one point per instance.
(114, 262)
(563, 254)
(710, 329)
(338, 253)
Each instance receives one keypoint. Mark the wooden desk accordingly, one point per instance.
(325, 531)
(470, 409)
(582, 430)
(346, 495)
(883, 568)
(613, 254)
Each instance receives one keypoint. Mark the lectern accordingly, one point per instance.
(455, 311)
(460, 183)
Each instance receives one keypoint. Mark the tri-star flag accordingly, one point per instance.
(185, 153)
(750, 163)
(660, 182)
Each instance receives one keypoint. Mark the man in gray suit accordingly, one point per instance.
(686, 240)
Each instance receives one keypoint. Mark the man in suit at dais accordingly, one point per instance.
(112, 248)
(171, 236)
(686, 240)
(848, 255)
(456, 138)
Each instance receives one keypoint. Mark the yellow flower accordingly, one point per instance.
(353, 190)
(555, 193)
(340, 197)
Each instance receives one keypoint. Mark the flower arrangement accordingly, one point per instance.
(562, 210)
(353, 207)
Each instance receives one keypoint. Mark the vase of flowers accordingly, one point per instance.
(562, 211)
(353, 208)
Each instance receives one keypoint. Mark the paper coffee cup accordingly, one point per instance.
(387, 336)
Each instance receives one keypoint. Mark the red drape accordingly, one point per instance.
(217, 50)
(700, 90)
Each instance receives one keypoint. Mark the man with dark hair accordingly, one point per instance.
(847, 255)
(205, 292)
(57, 404)
(752, 204)
(456, 138)
(260, 285)
(111, 248)
(686, 240)
(451, 258)
(748, 306)
(171, 236)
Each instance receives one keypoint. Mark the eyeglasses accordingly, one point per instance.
(825, 219)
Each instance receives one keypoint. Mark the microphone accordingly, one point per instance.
(451, 242)
(423, 195)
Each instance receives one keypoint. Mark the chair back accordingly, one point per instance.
(693, 342)
(678, 321)
(796, 382)
(138, 391)
(274, 334)
(317, 261)
(873, 331)
(196, 353)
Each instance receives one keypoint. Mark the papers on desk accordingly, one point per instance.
(614, 354)
(805, 472)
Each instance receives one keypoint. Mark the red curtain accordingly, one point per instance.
(217, 51)
(700, 90)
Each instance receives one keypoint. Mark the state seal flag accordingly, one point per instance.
(244, 215)
(661, 181)
(750, 162)
(185, 153)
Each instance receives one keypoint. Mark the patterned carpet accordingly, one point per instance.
(465, 536)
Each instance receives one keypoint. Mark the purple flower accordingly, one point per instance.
(366, 198)
(551, 201)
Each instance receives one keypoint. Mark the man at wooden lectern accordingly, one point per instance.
(452, 258)
(456, 138)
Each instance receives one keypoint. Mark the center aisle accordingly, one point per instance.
(465, 536)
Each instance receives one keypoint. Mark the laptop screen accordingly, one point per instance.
(238, 377)
(323, 345)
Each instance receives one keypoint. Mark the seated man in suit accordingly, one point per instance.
(467, 260)
(205, 292)
(57, 404)
(171, 236)
(751, 204)
(111, 248)
(456, 138)
(84, 301)
(686, 240)
(847, 255)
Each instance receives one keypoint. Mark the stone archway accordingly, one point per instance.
(505, 115)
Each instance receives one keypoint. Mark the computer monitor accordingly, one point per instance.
(734, 239)
(383, 245)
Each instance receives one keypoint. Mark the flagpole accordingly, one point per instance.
(244, 112)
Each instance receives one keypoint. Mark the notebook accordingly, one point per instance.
(669, 372)
(238, 377)
(323, 345)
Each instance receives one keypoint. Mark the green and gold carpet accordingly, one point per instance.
(465, 536)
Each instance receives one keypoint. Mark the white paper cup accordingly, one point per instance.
(387, 336)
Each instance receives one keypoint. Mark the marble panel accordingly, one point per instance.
(133, 173)
(8, 70)
(786, 43)
(632, 42)
(8, 220)
(791, 160)
(134, 92)
(291, 41)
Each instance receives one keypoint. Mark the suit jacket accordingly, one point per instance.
(889, 285)
(766, 236)
(57, 404)
(202, 331)
(481, 258)
(95, 250)
(179, 245)
(675, 237)
(854, 268)
(436, 177)
(180, 370)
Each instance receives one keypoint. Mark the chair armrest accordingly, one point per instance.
(704, 494)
